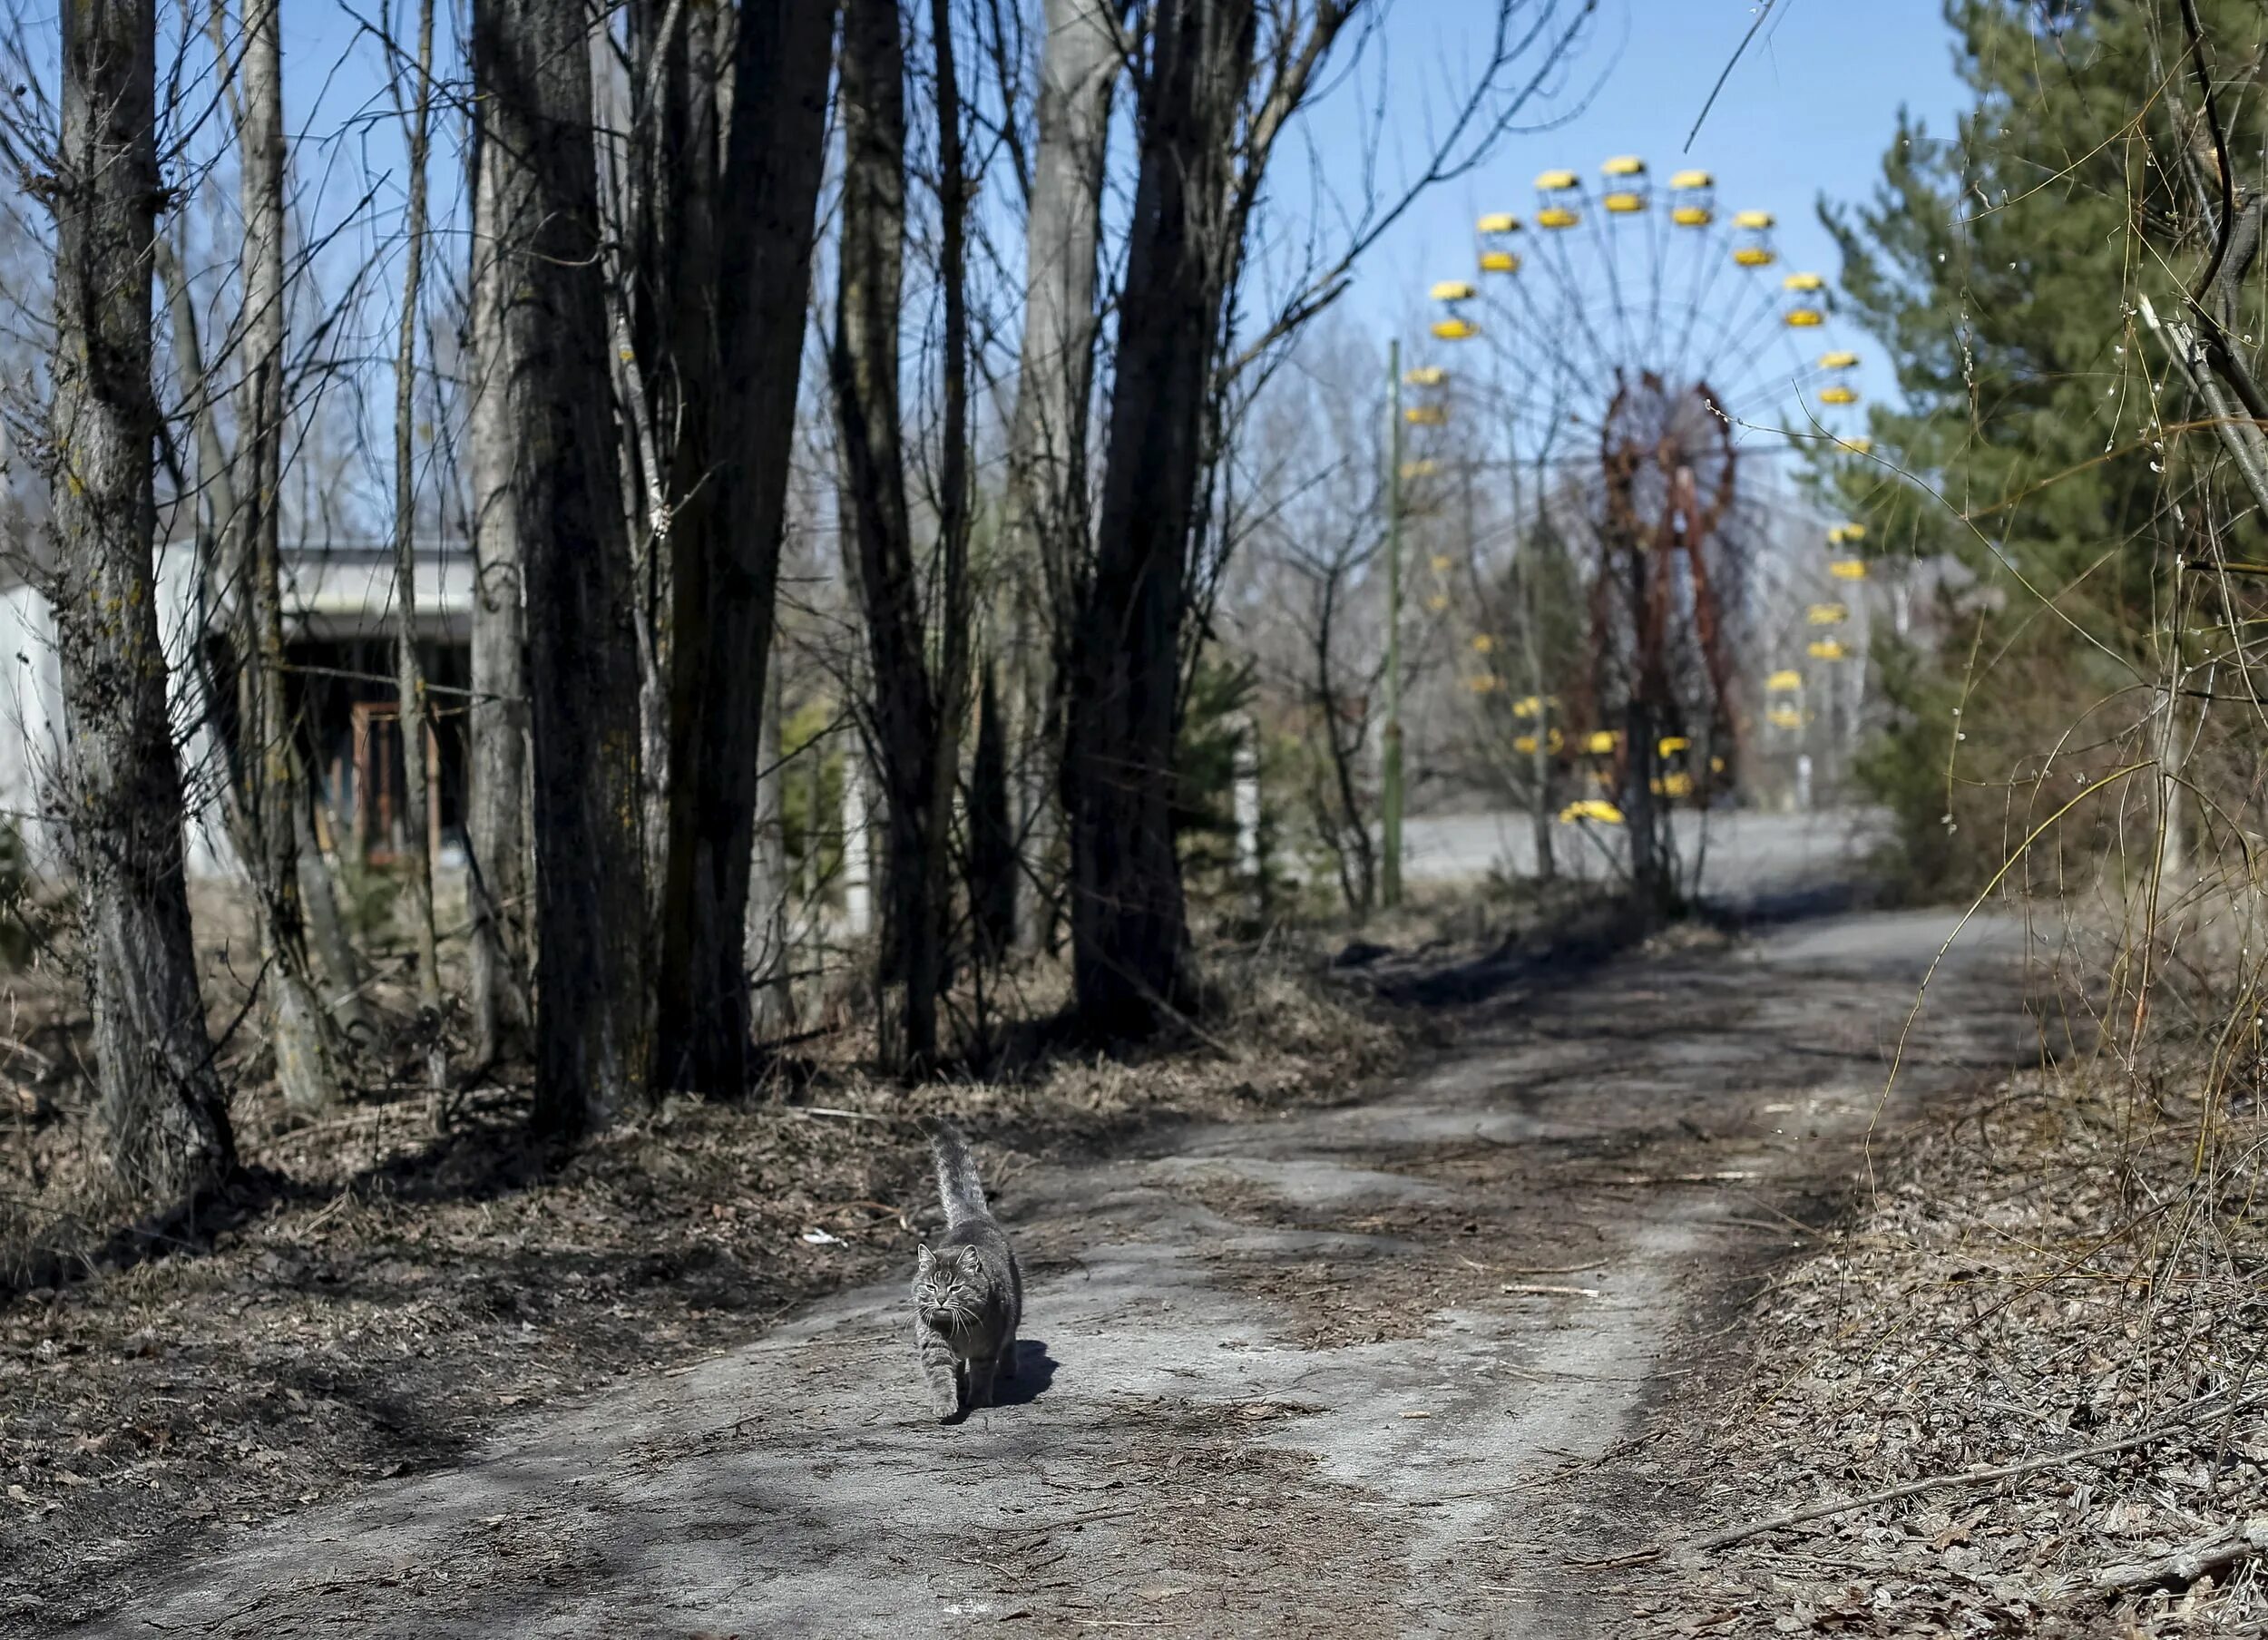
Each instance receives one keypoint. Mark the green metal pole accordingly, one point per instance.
(1389, 793)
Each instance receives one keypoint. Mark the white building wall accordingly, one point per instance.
(30, 723)
(335, 594)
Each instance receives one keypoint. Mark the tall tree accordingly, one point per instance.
(663, 98)
(1045, 538)
(496, 820)
(918, 710)
(770, 997)
(267, 768)
(1206, 126)
(409, 671)
(532, 72)
(2003, 271)
(1131, 948)
(730, 517)
(216, 517)
(166, 1119)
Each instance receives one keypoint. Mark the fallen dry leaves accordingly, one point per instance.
(2066, 1268)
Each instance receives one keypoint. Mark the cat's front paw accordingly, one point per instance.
(946, 1407)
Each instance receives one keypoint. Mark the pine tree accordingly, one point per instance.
(2005, 271)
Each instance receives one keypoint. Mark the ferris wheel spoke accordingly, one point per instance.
(1549, 333)
(1629, 360)
(1740, 333)
(1662, 247)
(1602, 234)
(1715, 255)
(1572, 290)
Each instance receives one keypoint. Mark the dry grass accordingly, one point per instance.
(392, 1294)
(2065, 1265)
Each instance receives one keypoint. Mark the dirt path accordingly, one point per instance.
(1342, 1373)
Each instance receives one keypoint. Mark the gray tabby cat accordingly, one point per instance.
(968, 1292)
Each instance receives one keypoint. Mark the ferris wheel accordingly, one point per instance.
(1640, 346)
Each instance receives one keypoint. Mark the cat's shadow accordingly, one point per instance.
(1035, 1373)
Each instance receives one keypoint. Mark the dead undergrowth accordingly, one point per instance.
(2061, 1268)
(385, 1296)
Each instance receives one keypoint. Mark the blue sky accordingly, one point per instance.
(1808, 111)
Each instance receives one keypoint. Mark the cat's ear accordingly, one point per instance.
(923, 1257)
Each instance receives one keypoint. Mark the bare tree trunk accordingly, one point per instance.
(1046, 526)
(916, 714)
(343, 999)
(1349, 833)
(165, 1116)
(409, 675)
(498, 721)
(992, 830)
(1132, 968)
(531, 70)
(957, 614)
(298, 1028)
(216, 515)
(732, 516)
(660, 108)
(771, 1001)
(858, 822)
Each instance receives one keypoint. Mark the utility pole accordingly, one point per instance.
(1526, 548)
(1390, 784)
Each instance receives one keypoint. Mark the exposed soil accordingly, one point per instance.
(1403, 1361)
(388, 1299)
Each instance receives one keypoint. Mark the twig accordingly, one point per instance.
(1911, 1488)
(1740, 51)
(1735, 1177)
(1538, 1290)
(2184, 1566)
(1651, 1552)
(46, 1066)
(1589, 1264)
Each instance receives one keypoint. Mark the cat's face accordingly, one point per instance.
(944, 1285)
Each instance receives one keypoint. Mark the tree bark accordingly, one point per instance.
(1132, 969)
(858, 826)
(498, 721)
(916, 714)
(532, 71)
(1045, 534)
(165, 1116)
(662, 153)
(409, 675)
(992, 831)
(298, 1033)
(770, 1000)
(727, 533)
(216, 515)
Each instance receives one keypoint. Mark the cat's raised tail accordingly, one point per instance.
(958, 1185)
